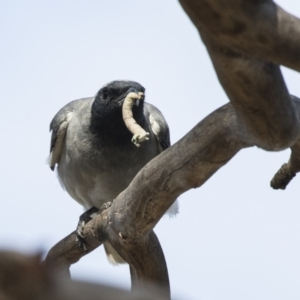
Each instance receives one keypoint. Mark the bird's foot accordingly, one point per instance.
(81, 242)
(105, 206)
(83, 220)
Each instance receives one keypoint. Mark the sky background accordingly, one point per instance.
(235, 237)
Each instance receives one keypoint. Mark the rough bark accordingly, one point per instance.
(246, 41)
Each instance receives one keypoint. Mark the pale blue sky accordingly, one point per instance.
(235, 237)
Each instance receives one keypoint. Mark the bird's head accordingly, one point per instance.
(106, 114)
(113, 94)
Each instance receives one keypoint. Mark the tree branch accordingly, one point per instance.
(258, 28)
(129, 222)
(243, 38)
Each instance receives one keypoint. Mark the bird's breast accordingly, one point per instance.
(96, 173)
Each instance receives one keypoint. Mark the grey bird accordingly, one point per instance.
(92, 148)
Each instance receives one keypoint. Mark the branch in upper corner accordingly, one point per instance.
(246, 40)
(259, 29)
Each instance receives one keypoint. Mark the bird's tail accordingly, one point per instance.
(113, 257)
(173, 209)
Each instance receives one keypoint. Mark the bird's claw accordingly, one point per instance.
(105, 205)
(80, 227)
(80, 236)
(83, 220)
(81, 242)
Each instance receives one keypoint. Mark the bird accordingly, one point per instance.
(92, 151)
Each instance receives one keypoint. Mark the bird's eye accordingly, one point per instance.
(105, 93)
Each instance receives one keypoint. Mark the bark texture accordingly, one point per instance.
(246, 41)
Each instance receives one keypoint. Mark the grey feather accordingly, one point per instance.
(58, 126)
(158, 126)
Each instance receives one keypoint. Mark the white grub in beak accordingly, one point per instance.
(139, 134)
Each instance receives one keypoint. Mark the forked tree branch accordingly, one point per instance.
(128, 224)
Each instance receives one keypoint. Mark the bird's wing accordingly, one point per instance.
(59, 126)
(160, 129)
(159, 126)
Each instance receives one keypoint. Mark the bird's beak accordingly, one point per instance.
(141, 97)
